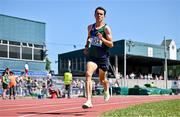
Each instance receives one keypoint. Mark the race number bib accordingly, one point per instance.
(95, 41)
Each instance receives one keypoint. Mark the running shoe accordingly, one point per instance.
(87, 104)
(106, 96)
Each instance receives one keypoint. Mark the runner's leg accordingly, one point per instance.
(105, 83)
(90, 68)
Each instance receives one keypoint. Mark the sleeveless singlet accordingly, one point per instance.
(97, 48)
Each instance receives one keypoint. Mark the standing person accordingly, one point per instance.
(12, 85)
(49, 80)
(5, 82)
(98, 42)
(26, 68)
(68, 82)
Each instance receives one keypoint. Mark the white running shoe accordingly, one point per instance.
(87, 104)
(106, 96)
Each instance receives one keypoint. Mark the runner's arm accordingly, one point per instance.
(108, 40)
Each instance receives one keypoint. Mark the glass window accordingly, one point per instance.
(74, 64)
(38, 46)
(79, 63)
(24, 44)
(30, 45)
(82, 64)
(3, 50)
(14, 52)
(38, 54)
(26, 53)
(14, 43)
(62, 63)
(4, 41)
(65, 63)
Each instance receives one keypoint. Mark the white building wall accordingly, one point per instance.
(172, 50)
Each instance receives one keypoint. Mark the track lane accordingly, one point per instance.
(71, 107)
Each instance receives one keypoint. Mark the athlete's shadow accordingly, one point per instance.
(69, 113)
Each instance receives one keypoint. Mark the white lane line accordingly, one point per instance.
(22, 106)
(104, 104)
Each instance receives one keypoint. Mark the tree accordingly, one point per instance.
(48, 64)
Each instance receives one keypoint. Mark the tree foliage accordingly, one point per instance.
(48, 64)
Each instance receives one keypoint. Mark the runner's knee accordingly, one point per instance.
(88, 74)
(103, 81)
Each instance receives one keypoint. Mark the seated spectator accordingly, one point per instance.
(152, 84)
(54, 90)
(44, 89)
(175, 87)
(132, 75)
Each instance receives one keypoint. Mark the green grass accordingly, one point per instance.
(169, 108)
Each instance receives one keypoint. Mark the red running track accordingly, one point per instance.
(70, 107)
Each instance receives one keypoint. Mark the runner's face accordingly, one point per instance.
(99, 15)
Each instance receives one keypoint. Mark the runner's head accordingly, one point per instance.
(100, 8)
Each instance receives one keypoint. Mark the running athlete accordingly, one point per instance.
(98, 42)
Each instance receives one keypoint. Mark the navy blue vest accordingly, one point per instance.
(97, 48)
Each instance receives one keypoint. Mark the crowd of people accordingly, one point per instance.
(149, 76)
(8, 82)
(13, 86)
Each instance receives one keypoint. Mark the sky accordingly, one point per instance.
(67, 20)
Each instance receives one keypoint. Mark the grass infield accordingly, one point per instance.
(168, 108)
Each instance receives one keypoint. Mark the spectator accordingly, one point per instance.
(19, 86)
(175, 87)
(132, 75)
(5, 82)
(93, 87)
(26, 68)
(81, 87)
(152, 84)
(54, 90)
(44, 88)
(49, 81)
(29, 87)
(12, 85)
(34, 86)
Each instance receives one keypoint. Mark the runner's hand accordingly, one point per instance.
(99, 35)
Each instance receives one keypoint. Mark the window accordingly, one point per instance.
(24, 44)
(30, 45)
(4, 41)
(38, 54)
(3, 50)
(14, 52)
(38, 46)
(14, 43)
(26, 53)
(74, 64)
(62, 63)
(82, 64)
(79, 64)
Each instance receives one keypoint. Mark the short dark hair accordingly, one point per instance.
(11, 72)
(101, 8)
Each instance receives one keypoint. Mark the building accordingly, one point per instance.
(22, 42)
(135, 57)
